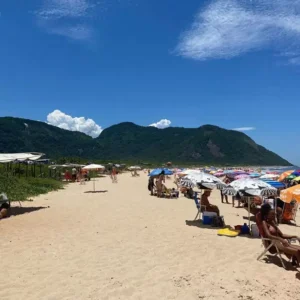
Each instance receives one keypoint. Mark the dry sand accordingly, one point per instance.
(125, 244)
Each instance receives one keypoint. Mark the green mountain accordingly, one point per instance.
(129, 142)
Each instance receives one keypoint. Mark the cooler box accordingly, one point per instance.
(207, 217)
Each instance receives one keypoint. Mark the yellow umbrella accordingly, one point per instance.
(297, 178)
(285, 174)
(291, 194)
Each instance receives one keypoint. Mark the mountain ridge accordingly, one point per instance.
(127, 141)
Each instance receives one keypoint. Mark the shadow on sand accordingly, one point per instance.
(95, 192)
(15, 211)
(198, 223)
(270, 259)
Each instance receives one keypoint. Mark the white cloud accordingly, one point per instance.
(67, 18)
(62, 120)
(164, 123)
(228, 28)
(244, 128)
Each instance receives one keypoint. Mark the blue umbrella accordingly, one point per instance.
(255, 175)
(275, 184)
(158, 171)
(296, 173)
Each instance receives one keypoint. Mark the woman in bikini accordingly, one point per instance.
(272, 232)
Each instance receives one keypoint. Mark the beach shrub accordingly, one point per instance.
(21, 189)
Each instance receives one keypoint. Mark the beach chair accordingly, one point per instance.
(200, 208)
(268, 244)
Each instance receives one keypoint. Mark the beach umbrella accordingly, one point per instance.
(201, 180)
(275, 184)
(255, 175)
(290, 177)
(158, 171)
(93, 167)
(254, 187)
(190, 172)
(291, 194)
(269, 176)
(285, 174)
(133, 168)
(296, 173)
(241, 176)
(219, 174)
(249, 186)
(297, 178)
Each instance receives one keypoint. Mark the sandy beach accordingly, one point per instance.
(125, 244)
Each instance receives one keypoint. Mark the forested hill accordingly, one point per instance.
(129, 142)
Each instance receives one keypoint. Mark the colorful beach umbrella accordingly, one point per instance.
(291, 194)
(255, 175)
(297, 178)
(285, 174)
(275, 184)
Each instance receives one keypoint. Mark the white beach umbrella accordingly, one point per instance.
(201, 180)
(93, 167)
(269, 176)
(132, 168)
(250, 186)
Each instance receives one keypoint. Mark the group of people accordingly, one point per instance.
(156, 185)
(76, 175)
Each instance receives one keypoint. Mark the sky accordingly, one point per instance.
(86, 65)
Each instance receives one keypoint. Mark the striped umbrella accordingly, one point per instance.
(201, 180)
(249, 186)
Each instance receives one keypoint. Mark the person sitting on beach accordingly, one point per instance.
(205, 202)
(266, 221)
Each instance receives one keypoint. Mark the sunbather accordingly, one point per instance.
(208, 206)
(272, 232)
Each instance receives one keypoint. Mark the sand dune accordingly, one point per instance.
(125, 244)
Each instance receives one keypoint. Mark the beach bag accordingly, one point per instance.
(218, 222)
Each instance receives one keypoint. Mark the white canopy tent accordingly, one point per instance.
(9, 157)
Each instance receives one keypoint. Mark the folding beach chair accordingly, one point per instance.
(269, 245)
(200, 208)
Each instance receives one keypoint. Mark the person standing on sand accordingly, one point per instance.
(159, 184)
(114, 175)
(226, 181)
(74, 171)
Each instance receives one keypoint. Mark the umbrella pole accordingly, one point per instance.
(94, 184)
(249, 200)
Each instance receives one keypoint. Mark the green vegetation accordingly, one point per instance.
(21, 189)
(127, 142)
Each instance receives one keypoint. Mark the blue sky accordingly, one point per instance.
(230, 63)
